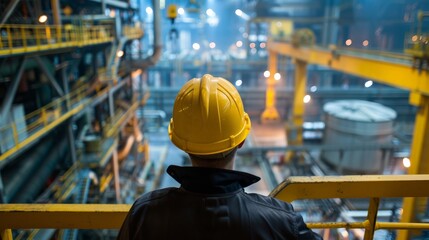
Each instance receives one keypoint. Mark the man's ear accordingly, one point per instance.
(241, 144)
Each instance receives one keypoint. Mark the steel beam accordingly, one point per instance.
(9, 10)
(394, 70)
(11, 92)
(49, 76)
(62, 216)
(270, 112)
(354, 186)
(297, 118)
(419, 156)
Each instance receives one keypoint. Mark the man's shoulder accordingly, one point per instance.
(154, 195)
(270, 202)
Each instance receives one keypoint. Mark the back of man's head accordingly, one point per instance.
(208, 119)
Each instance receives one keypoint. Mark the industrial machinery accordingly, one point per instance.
(357, 122)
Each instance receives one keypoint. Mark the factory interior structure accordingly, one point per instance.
(337, 92)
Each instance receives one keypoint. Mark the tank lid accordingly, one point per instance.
(359, 110)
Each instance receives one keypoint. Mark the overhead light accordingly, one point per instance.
(313, 88)
(267, 73)
(241, 14)
(238, 12)
(365, 43)
(349, 42)
(181, 11)
(307, 98)
(210, 12)
(406, 162)
(149, 10)
(196, 46)
(43, 19)
(112, 13)
(262, 45)
(238, 83)
(368, 83)
(120, 53)
(212, 45)
(277, 76)
(252, 45)
(239, 43)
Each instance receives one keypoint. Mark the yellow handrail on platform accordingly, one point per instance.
(39, 122)
(373, 187)
(111, 216)
(20, 38)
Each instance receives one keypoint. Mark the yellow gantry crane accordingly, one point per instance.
(398, 73)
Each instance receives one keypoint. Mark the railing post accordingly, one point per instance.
(15, 133)
(37, 38)
(6, 234)
(371, 218)
(9, 38)
(24, 40)
(44, 117)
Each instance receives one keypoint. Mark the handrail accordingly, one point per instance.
(38, 122)
(111, 216)
(132, 32)
(21, 38)
(373, 187)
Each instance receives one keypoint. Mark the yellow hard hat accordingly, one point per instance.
(208, 117)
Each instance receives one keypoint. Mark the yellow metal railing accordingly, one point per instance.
(373, 187)
(132, 32)
(111, 216)
(21, 132)
(17, 38)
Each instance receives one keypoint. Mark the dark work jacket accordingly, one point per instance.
(211, 204)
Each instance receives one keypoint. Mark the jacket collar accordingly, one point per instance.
(211, 180)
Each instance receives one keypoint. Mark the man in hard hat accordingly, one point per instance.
(209, 123)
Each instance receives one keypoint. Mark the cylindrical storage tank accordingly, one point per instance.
(357, 123)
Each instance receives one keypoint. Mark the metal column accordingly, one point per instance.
(294, 129)
(49, 75)
(10, 94)
(56, 12)
(9, 10)
(3, 198)
(270, 112)
(419, 156)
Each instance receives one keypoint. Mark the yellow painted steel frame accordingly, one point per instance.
(394, 73)
(297, 119)
(62, 216)
(270, 112)
(370, 186)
